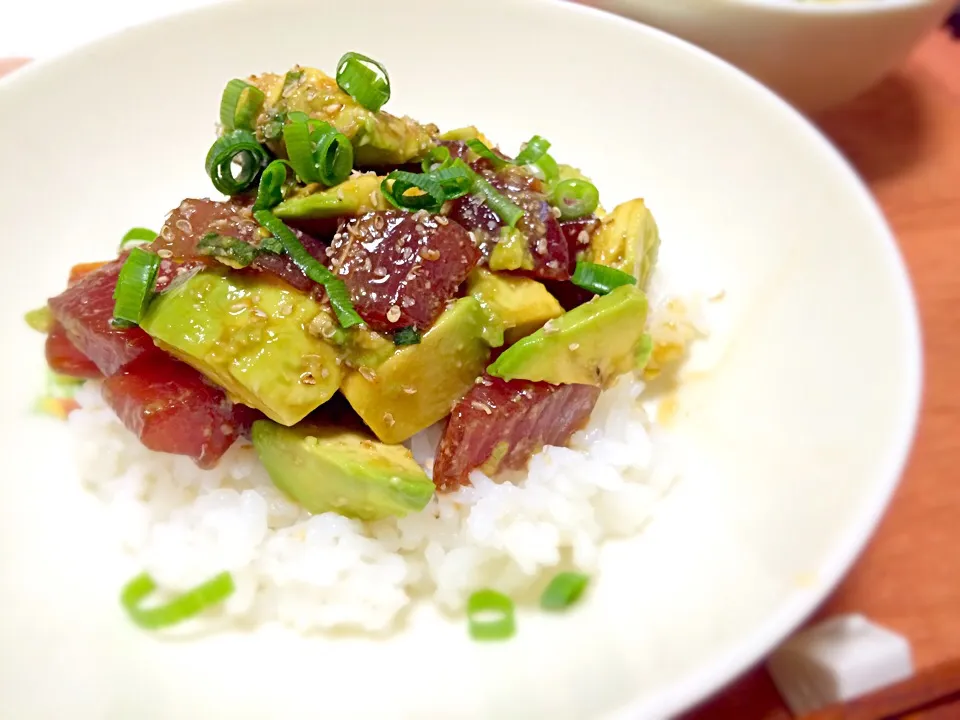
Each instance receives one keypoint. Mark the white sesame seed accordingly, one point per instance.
(184, 226)
(374, 198)
(388, 420)
(308, 379)
(574, 346)
(481, 406)
(407, 301)
(409, 390)
(164, 253)
(441, 220)
(367, 373)
(555, 211)
(393, 314)
(583, 237)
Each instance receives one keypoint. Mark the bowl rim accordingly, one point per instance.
(716, 671)
(836, 8)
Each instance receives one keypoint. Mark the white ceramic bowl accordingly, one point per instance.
(803, 425)
(816, 53)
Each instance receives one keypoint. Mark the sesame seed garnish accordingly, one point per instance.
(367, 265)
(259, 313)
(430, 254)
(574, 346)
(407, 301)
(481, 406)
(441, 220)
(332, 108)
(367, 373)
(374, 198)
(555, 211)
(184, 226)
(408, 390)
(226, 429)
(542, 246)
(388, 420)
(393, 314)
(308, 379)
(164, 253)
(339, 193)
(379, 222)
(553, 264)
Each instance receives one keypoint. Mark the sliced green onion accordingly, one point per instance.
(600, 279)
(535, 149)
(229, 250)
(137, 236)
(407, 336)
(270, 191)
(290, 81)
(546, 169)
(191, 603)
(297, 116)
(506, 209)
(364, 79)
(396, 186)
(40, 319)
(456, 180)
(240, 147)
(336, 289)
(437, 159)
(270, 244)
(135, 285)
(575, 198)
(240, 105)
(490, 615)
(318, 152)
(486, 153)
(563, 591)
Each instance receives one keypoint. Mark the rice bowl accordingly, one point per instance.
(770, 508)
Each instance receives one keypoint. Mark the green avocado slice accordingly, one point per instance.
(589, 345)
(332, 469)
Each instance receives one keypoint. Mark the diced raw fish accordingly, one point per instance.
(64, 358)
(500, 424)
(85, 310)
(402, 268)
(171, 408)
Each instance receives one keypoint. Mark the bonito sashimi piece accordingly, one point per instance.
(500, 424)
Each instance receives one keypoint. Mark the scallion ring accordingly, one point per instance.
(135, 283)
(364, 79)
(309, 266)
(490, 615)
(240, 147)
(137, 236)
(456, 180)
(535, 149)
(181, 608)
(239, 105)
(397, 185)
(270, 190)
(506, 209)
(546, 169)
(575, 198)
(563, 591)
(437, 159)
(486, 153)
(318, 152)
(600, 279)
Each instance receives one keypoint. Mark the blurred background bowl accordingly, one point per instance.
(815, 53)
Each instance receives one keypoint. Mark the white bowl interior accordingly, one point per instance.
(803, 424)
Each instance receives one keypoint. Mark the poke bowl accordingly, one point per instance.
(433, 389)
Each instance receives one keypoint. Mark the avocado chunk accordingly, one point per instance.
(332, 469)
(512, 251)
(250, 337)
(589, 345)
(378, 138)
(354, 196)
(419, 384)
(522, 304)
(627, 240)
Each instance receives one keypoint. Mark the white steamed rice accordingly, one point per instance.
(185, 525)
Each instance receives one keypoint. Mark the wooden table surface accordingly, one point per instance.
(904, 138)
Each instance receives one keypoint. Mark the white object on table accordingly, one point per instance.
(838, 660)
